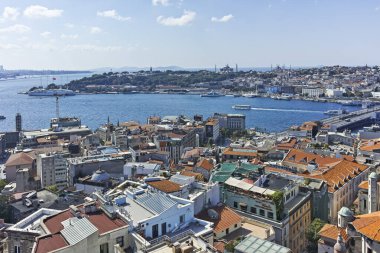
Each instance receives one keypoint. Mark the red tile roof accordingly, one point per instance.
(99, 219)
(226, 218)
(50, 242)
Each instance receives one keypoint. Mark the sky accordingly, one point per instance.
(88, 34)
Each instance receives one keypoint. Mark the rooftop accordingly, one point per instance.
(368, 225)
(253, 244)
(224, 219)
(166, 186)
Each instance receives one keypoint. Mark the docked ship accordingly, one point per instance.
(2, 117)
(212, 94)
(52, 92)
(242, 107)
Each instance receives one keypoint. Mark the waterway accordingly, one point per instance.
(266, 113)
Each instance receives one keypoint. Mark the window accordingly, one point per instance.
(17, 249)
(104, 248)
(235, 204)
(262, 212)
(182, 219)
(253, 210)
(235, 225)
(369, 250)
(365, 204)
(270, 215)
(120, 241)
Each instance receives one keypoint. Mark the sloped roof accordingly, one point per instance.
(155, 202)
(331, 232)
(301, 157)
(20, 159)
(368, 225)
(205, 164)
(339, 174)
(226, 218)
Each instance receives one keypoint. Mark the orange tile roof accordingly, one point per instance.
(205, 164)
(226, 218)
(287, 145)
(331, 231)
(197, 176)
(219, 246)
(368, 225)
(301, 157)
(370, 146)
(339, 174)
(363, 185)
(230, 151)
(165, 186)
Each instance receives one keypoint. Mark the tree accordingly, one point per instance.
(312, 235)
(52, 188)
(4, 208)
(3, 183)
(278, 199)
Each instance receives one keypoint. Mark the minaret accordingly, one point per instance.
(372, 192)
(339, 246)
(18, 122)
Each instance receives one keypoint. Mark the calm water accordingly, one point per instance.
(273, 115)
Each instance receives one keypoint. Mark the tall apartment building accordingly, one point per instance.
(52, 169)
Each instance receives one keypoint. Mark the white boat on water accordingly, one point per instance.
(51, 92)
(212, 94)
(242, 107)
(250, 95)
(335, 112)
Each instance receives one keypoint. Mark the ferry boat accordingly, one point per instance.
(242, 107)
(2, 117)
(52, 92)
(335, 112)
(212, 94)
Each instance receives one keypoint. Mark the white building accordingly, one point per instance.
(334, 93)
(312, 92)
(135, 168)
(52, 168)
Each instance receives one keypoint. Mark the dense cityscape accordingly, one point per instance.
(177, 126)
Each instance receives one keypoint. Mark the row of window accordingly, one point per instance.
(253, 210)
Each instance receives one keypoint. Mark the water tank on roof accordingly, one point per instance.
(100, 176)
(212, 214)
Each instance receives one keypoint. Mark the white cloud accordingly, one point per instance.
(112, 14)
(45, 34)
(185, 19)
(69, 25)
(15, 29)
(10, 13)
(38, 11)
(95, 30)
(9, 46)
(162, 2)
(223, 19)
(377, 8)
(69, 36)
(89, 47)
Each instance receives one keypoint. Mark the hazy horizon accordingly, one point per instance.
(83, 35)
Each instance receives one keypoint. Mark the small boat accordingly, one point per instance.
(212, 94)
(2, 117)
(335, 112)
(250, 95)
(242, 107)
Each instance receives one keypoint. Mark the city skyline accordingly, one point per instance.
(142, 33)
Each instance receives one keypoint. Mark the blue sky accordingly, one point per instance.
(84, 34)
